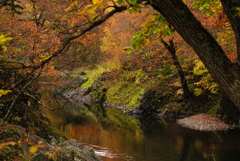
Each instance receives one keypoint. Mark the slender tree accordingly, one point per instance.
(231, 9)
(172, 50)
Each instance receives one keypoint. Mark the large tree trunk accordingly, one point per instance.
(226, 74)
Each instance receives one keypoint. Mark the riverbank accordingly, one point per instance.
(34, 138)
(17, 143)
(201, 122)
(143, 98)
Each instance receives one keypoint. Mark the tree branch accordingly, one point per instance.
(73, 37)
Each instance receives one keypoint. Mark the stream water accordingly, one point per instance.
(116, 137)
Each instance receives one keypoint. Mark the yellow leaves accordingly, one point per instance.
(199, 68)
(179, 92)
(177, 84)
(4, 38)
(96, 1)
(206, 82)
(3, 48)
(73, 5)
(33, 149)
(4, 92)
(44, 57)
(198, 91)
(91, 11)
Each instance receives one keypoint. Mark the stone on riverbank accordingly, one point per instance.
(17, 143)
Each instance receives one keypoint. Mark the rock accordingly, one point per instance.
(78, 95)
(41, 157)
(72, 150)
(67, 150)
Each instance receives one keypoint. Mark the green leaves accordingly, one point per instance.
(119, 1)
(167, 70)
(134, 8)
(208, 6)
(237, 11)
(156, 25)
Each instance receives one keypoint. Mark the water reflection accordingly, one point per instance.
(120, 138)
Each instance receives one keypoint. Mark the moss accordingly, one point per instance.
(13, 153)
(117, 118)
(92, 75)
(134, 99)
(214, 110)
(129, 88)
(88, 83)
(9, 132)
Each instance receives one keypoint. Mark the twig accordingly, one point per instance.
(39, 102)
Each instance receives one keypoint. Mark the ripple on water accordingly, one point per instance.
(105, 152)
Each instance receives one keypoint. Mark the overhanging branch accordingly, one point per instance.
(73, 37)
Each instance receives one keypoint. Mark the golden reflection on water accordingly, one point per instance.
(156, 141)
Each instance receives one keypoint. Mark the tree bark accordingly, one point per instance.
(225, 73)
(234, 18)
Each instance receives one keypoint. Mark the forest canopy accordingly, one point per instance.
(54, 36)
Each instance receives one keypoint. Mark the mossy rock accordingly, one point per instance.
(73, 150)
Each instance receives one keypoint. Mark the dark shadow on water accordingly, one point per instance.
(120, 138)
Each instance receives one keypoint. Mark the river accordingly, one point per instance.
(116, 137)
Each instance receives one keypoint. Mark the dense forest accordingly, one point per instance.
(145, 57)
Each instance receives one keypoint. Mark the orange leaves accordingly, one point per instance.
(3, 145)
(25, 141)
(220, 20)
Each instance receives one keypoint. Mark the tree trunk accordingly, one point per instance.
(171, 48)
(225, 73)
(228, 110)
(234, 18)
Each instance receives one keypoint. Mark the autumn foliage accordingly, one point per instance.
(52, 37)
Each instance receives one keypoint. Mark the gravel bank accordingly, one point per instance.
(204, 122)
